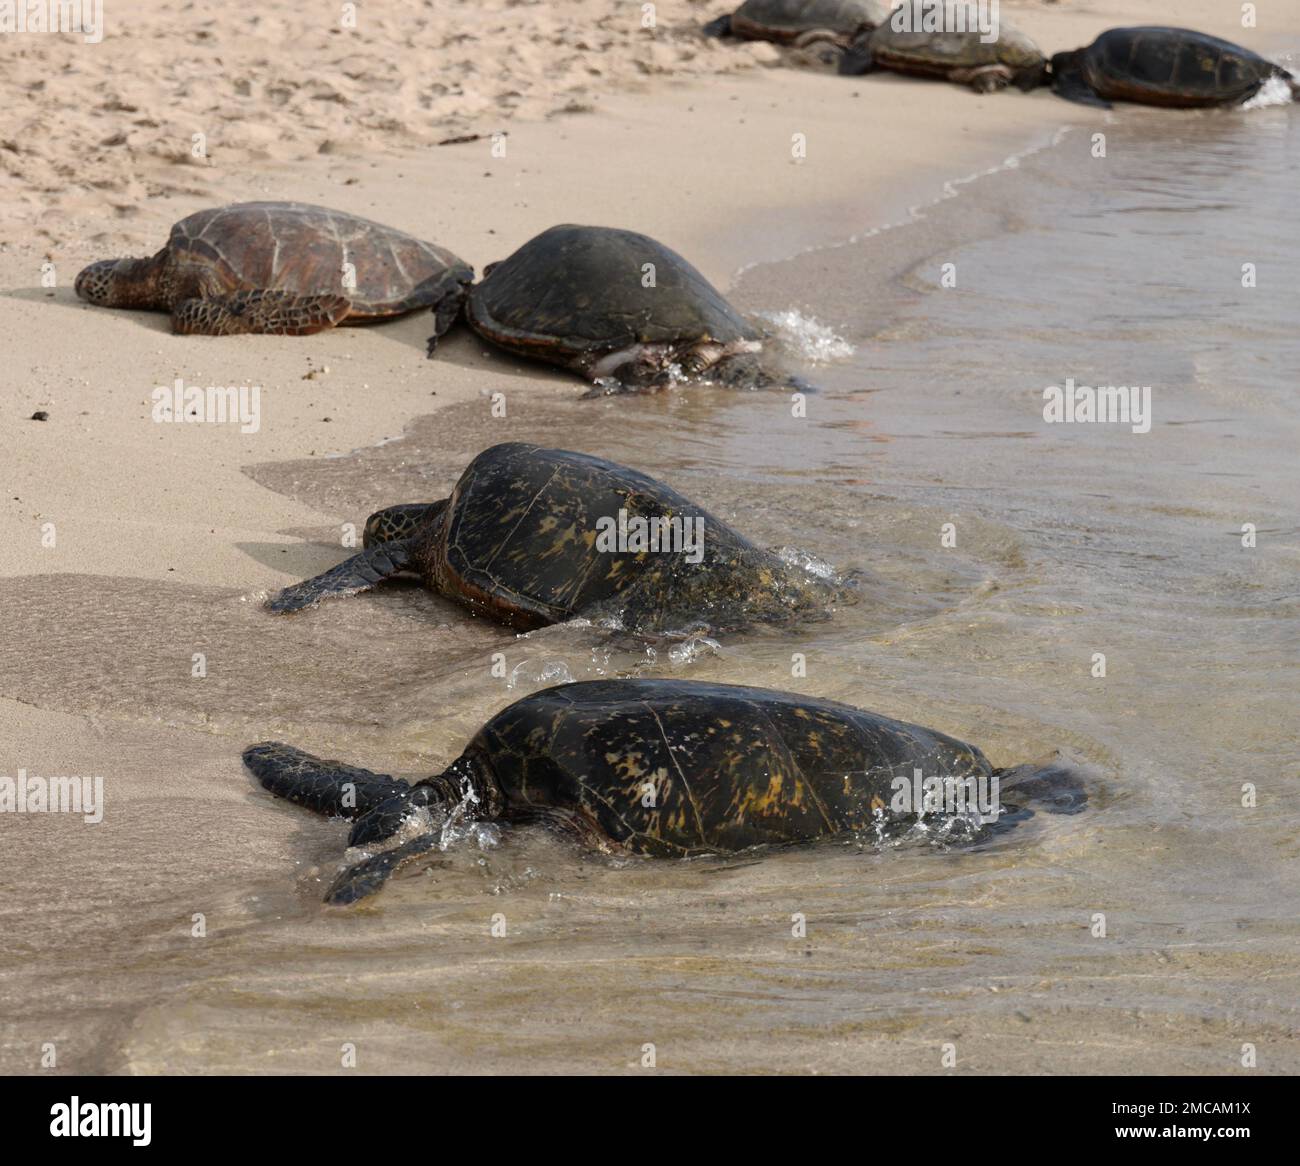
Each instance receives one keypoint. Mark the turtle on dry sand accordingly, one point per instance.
(957, 51)
(800, 22)
(282, 267)
(670, 769)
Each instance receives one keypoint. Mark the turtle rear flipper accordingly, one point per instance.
(719, 27)
(280, 312)
(366, 877)
(328, 787)
(352, 576)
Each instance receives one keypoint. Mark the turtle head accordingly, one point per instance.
(119, 283)
(1066, 67)
(397, 523)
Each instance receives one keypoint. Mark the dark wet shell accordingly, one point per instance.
(730, 766)
(300, 248)
(938, 53)
(785, 20)
(520, 538)
(575, 290)
(1172, 66)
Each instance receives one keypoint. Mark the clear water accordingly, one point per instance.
(1071, 540)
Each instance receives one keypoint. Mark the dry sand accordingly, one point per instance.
(605, 122)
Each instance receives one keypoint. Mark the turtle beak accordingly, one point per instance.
(119, 283)
(92, 282)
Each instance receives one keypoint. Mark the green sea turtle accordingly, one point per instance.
(952, 48)
(667, 768)
(1163, 66)
(800, 22)
(531, 536)
(616, 308)
(282, 267)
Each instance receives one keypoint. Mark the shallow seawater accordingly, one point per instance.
(1001, 556)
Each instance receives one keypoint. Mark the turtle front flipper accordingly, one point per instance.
(366, 877)
(327, 787)
(718, 28)
(352, 576)
(281, 313)
(380, 805)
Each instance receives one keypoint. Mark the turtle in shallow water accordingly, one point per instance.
(955, 50)
(530, 536)
(1163, 66)
(800, 22)
(282, 267)
(617, 308)
(665, 768)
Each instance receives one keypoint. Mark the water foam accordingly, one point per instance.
(806, 337)
(1274, 91)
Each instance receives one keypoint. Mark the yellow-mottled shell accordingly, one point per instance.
(676, 767)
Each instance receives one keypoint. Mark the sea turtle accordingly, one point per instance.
(667, 768)
(800, 22)
(617, 308)
(1163, 66)
(282, 267)
(952, 48)
(530, 536)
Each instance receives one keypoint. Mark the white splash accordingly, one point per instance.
(1274, 91)
(692, 648)
(794, 557)
(547, 672)
(461, 824)
(806, 337)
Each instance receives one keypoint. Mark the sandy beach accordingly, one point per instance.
(706, 165)
(573, 112)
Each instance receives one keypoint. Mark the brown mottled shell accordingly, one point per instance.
(669, 767)
(295, 247)
(940, 53)
(784, 21)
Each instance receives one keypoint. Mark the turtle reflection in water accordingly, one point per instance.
(661, 768)
(526, 539)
